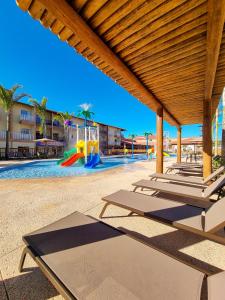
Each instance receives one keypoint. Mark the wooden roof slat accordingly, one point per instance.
(166, 39)
(168, 58)
(106, 11)
(173, 65)
(183, 82)
(57, 26)
(91, 7)
(135, 29)
(24, 4)
(47, 19)
(126, 12)
(181, 92)
(65, 34)
(177, 73)
(78, 4)
(36, 9)
(73, 40)
(216, 17)
(158, 23)
(185, 87)
(189, 69)
(168, 81)
(157, 46)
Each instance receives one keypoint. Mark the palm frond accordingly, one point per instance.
(44, 102)
(6, 100)
(20, 96)
(15, 87)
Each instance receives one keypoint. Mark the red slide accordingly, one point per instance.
(72, 159)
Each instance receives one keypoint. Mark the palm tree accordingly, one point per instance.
(40, 109)
(85, 112)
(146, 134)
(132, 136)
(7, 100)
(65, 119)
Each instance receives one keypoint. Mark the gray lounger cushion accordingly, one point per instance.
(164, 210)
(180, 190)
(95, 261)
(178, 178)
(170, 188)
(194, 180)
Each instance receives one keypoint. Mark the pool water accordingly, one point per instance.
(49, 168)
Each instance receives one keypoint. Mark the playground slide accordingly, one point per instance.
(72, 159)
(166, 154)
(93, 162)
(66, 155)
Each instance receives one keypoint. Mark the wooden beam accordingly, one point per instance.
(207, 139)
(68, 16)
(159, 140)
(179, 144)
(215, 25)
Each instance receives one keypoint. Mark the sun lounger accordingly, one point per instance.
(87, 259)
(189, 180)
(184, 164)
(189, 173)
(183, 190)
(193, 169)
(202, 221)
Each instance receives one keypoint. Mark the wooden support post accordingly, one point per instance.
(179, 144)
(207, 139)
(159, 140)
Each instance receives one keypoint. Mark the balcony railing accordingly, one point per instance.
(2, 135)
(22, 136)
(27, 118)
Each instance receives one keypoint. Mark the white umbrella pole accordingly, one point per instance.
(77, 133)
(98, 139)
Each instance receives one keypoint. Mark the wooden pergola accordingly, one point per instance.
(168, 54)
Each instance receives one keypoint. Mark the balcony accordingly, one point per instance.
(48, 122)
(56, 123)
(18, 136)
(27, 119)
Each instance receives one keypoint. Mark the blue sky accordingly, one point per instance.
(34, 57)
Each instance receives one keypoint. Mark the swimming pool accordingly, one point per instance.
(49, 168)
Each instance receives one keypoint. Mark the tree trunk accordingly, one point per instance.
(7, 135)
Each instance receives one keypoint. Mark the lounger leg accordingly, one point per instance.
(130, 214)
(22, 259)
(136, 187)
(103, 210)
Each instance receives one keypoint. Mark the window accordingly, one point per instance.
(24, 112)
(25, 131)
(55, 136)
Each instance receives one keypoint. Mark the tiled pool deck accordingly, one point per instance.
(27, 204)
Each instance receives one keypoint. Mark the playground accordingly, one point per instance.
(85, 151)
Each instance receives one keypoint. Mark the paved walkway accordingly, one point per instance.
(27, 205)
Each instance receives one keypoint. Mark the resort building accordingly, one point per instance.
(188, 144)
(24, 129)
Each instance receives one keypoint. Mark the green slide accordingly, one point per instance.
(66, 155)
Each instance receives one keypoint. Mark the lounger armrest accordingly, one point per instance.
(214, 216)
(216, 286)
